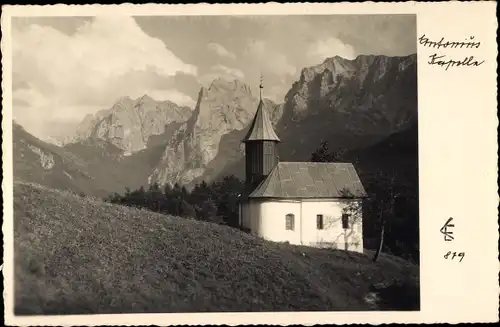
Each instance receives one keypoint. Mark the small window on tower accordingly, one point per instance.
(290, 221)
(319, 221)
(345, 221)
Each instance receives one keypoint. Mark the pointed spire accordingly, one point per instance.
(261, 128)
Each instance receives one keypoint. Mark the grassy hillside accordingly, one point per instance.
(80, 255)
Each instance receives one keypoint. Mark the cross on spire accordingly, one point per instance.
(261, 86)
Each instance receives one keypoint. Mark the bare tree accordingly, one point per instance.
(384, 186)
(383, 203)
(352, 206)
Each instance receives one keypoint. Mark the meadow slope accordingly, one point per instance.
(77, 255)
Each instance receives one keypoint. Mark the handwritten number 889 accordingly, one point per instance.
(451, 255)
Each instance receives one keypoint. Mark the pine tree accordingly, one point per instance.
(155, 197)
(323, 154)
(226, 196)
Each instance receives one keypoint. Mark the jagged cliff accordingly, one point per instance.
(378, 88)
(130, 123)
(349, 103)
(224, 108)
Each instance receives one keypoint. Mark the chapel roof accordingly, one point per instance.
(310, 180)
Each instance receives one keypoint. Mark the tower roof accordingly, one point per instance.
(261, 128)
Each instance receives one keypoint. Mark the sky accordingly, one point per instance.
(67, 67)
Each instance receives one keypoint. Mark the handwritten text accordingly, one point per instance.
(447, 63)
(442, 60)
(470, 44)
(452, 255)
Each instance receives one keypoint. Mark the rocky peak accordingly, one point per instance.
(332, 66)
(346, 101)
(224, 85)
(123, 102)
(145, 99)
(222, 108)
(338, 81)
(129, 123)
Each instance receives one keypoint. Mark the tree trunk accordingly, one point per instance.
(382, 220)
(381, 243)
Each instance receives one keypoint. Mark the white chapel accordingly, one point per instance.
(303, 203)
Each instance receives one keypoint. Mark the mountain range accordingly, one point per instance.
(356, 105)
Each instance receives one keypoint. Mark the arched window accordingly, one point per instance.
(290, 221)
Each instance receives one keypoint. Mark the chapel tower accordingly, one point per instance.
(261, 153)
